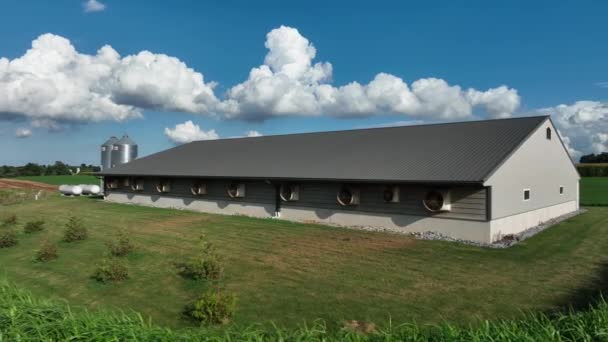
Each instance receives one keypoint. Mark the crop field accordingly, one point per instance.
(291, 273)
(59, 180)
(594, 191)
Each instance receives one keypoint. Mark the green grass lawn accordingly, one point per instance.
(594, 191)
(289, 273)
(59, 180)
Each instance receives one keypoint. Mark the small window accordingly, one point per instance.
(526, 194)
(561, 190)
(115, 148)
(548, 133)
(103, 148)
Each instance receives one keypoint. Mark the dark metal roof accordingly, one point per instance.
(451, 152)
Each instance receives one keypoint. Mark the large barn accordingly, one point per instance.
(477, 180)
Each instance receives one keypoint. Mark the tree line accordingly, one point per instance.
(33, 169)
(595, 158)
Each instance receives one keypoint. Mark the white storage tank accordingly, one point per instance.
(90, 189)
(70, 190)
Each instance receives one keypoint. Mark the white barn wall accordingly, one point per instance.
(542, 166)
(517, 223)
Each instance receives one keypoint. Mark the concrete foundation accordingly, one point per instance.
(479, 231)
(517, 223)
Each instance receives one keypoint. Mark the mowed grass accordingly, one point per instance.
(289, 273)
(594, 191)
(60, 180)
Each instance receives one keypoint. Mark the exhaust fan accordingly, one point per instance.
(163, 186)
(137, 184)
(437, 201)
(112, 183)
(348, 196)
(290, 192)
(236, 190)
(198, 189)
(391, 194)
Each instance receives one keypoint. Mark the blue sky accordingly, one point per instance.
(545, 53)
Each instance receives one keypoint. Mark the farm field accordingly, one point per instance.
(59, 180)
(289, 273)
(594, 191)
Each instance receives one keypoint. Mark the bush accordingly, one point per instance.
(199, 268)
(8, 238)
(10, 220)
(213, 307)
(111, 270)
(47, 251)
(33, 226)
(206, 265)
(75, 230)
(121, 246)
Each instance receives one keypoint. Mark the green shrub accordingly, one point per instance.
(10, 220)
(206, 265)
(8, 238)
(33, 226)
(75, 230)
(199, 268)
(212, 307)
(111, 270)
(47, 251)
(121, 246)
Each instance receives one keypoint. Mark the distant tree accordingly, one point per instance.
(595, 158)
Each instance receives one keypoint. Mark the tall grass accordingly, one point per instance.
(26, 318)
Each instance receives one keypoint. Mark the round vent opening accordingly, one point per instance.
(433, 201)
(162, 186)
(233, 190)
(286, 192)
(345, 196)
(136, 184)
(198, 189)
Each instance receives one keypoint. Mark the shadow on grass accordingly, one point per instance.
(581, 298)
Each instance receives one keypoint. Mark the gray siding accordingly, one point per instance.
(468, 202)
(256, 191)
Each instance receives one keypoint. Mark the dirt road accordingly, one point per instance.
(9, 183)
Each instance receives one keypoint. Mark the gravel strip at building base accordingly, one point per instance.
(506, 241)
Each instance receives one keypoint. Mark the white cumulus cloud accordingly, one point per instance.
(290, 83)
(583, 126)
(187, 132)
(252, 134)
(52, 82)
(23, 133)
(93, 6)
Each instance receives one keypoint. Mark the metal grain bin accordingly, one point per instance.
(106, 153)
(123, 151)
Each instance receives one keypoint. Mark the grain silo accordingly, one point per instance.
(106, 153)
(123, 151)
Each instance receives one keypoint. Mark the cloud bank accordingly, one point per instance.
(583, 126)
(53, 81)
(53, 85)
